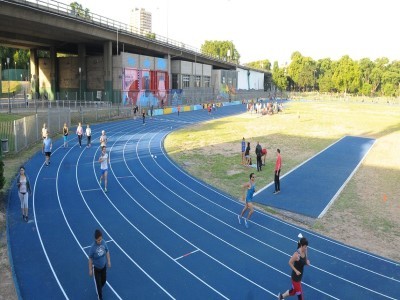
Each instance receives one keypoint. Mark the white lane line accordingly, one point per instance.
(91, 190)
(187, 254)
(320, 269)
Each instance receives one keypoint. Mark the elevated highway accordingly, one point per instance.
(51, 24)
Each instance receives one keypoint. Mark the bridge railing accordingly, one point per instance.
(122, 28)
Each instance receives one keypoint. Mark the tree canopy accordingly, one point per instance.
(364, 77)
(225, 50)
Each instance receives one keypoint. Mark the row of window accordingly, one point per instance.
(197, 82)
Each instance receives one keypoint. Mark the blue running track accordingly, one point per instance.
(311, 188)
(170, 235)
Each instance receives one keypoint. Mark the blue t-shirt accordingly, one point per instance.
(250, 192)
(47, 143)
(243, 146)
(98, 254)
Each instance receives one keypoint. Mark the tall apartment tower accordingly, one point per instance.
(140, 21)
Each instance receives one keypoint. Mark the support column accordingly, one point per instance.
(82, 64)
(34, 73)
(107, 53)
(168, 57)
(53, 74)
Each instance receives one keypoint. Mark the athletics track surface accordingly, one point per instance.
(313, 186)
(171, 236)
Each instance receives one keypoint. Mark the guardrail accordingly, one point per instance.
(122, 28)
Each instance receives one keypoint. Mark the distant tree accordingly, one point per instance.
(222, 49)
(260, 64)
(346, 76)
(279, 77)
(78, 10)
(151, 35)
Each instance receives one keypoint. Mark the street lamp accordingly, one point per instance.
(80, 87)
(15, 70)
(8, 67)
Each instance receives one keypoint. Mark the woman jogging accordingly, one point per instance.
(248, 191)
(24, 189)
(297, 263)
(65, 134)
(104, 161)
(88, 136)
(79, 132)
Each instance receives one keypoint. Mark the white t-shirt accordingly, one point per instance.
(103, 140)
(104, 162)
(88, 131)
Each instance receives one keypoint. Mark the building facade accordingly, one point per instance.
(141, 21)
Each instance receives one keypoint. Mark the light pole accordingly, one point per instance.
(8, 67)
(80, 88)
(15, 70)
(167, 18)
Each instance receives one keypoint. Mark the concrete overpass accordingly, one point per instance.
(54, 27)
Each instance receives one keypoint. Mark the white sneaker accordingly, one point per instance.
(240, 219)
(246, 224)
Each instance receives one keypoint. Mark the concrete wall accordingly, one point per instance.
(44, 77)
(250, 80)
(95, 73)
(68, 74)
(146, 62)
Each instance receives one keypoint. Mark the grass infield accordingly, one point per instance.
(368, 207)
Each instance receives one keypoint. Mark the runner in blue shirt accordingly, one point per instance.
(46, 149)
(249, 189)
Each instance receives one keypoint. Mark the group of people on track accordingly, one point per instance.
(99, 256)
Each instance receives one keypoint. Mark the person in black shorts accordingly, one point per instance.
(297, 262)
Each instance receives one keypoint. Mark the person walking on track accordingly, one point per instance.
(99, 260)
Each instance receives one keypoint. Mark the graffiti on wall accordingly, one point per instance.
(144, 87)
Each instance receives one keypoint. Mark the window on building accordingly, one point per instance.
(207, 81)
(223, 79)
(197, 81)
(185, 81)
(175, 83)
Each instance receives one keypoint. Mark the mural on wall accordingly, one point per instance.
(144, 87)
(226, 91)
(177, 96)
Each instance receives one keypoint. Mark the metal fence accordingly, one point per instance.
(20, 134)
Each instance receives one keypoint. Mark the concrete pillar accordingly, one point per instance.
(34, 76)
(82, 64)
(53, 74)
(168, 57)
(108, 72)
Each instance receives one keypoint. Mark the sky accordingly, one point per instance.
(273, 30)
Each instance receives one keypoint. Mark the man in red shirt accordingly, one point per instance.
(278, 165)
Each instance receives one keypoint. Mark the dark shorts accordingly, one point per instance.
(47, 154)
